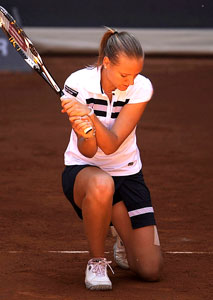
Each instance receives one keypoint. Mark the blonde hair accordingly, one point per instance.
(113, 43)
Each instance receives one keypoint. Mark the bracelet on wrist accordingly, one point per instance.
(91, 111)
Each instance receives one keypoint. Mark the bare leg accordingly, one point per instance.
(93, 193)
(144, 256)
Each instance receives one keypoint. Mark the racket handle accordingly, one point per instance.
(61, 93)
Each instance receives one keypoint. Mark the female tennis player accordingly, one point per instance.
(103, 177)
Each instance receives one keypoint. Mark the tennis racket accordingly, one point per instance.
(28, 52)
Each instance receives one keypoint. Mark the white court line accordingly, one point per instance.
(168, 252)
(86, 252)
(69, 252)
(189, 252)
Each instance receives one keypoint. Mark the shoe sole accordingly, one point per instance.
(99, 287)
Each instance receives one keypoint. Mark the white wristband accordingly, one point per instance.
(91, 112)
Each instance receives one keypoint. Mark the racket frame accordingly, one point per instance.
(23, 45)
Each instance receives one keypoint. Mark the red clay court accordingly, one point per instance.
(40, 232)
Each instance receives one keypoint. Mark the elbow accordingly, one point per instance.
(89, 155)
(109, 151)
(110, 148)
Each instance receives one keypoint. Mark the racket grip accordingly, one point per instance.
(87, 130)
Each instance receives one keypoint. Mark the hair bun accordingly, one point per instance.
(113, 31)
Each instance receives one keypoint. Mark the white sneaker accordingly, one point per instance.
(119, 251)
(96, 274)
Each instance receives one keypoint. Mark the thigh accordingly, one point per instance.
(143, 237)
(93, 182)
(68, 179)
(136, 197)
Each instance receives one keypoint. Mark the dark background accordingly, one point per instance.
(115, 13)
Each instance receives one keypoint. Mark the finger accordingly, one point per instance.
(74, 118)
(66, 99)
(72, 112)
(68, 103)
(81, 120)
(80, 125)
(85, 117)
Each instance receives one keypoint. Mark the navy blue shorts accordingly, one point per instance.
(130, 189)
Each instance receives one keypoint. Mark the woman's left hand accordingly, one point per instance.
(81, 124)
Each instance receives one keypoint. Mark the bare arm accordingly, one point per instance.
(87, 144)
(87, 147)
(110, 140)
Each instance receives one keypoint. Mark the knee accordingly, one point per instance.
(151, 275)
(150, 271)
(102, 188)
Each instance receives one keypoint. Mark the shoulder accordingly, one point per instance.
(82, 78)
(142, 82)
(141, 90)
(76, 76)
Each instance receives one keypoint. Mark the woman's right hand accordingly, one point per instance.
(73, 108)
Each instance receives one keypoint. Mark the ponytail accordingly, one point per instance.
(114, 43)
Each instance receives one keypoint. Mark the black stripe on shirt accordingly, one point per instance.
(96, 101)
(100, 113)
(120, 103)
(114, 115)
(101, 102)
(92, 102)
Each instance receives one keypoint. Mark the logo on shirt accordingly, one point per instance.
(71, 91)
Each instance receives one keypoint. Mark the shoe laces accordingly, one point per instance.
(100, 265)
